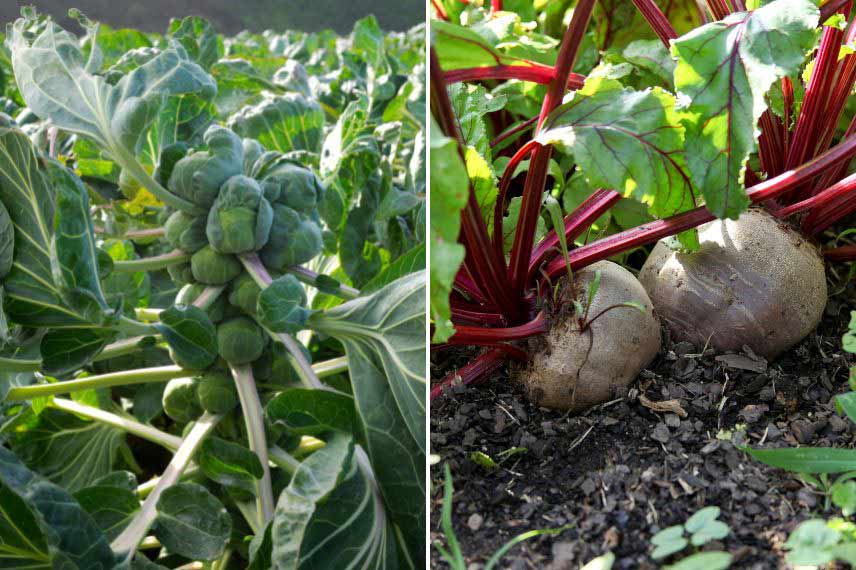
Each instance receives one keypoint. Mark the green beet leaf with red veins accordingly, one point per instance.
(560, 148)
(212, 275)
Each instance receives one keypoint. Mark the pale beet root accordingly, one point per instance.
(754, 281)
(573, 369)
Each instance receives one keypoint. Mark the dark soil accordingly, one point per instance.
(622, 472)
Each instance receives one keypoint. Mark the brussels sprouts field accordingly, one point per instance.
(213, 285)
(642, 296)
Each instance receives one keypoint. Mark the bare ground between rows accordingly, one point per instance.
(622, 472)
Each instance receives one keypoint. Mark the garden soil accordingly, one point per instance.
(627, 469)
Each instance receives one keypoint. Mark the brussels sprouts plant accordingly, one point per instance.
(212, 298)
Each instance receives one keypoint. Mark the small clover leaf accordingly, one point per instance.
(668, 541)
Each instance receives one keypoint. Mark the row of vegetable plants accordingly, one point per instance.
(562, 141)
(212, 272)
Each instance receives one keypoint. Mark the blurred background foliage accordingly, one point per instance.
(230, 16)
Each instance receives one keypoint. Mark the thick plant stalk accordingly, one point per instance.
(330, 367)
(147, 313)
(439, 10)
(518, 128)
(129, 162)
(530, 71)
(477, 317)
(154, 263)
(840, 189)
(477, 335)
(524, 237)
(135, 532)
(146, 234)
(814, 105)
(121, 348)
(128, 425)
(311, 278)
(718, 8)
(482, 260)
(502, 191)
(474, 370)
(20, 364)
(576, 223)
(283, 459)
(131, 327)
(254, 419)
(653, 231)
(208, 296)
(123, 378)
(260, 275)
(841, 254)
(657, 20)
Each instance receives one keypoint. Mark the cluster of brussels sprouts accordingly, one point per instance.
(256, 201)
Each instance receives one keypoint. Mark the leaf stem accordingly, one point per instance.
(472, 372)
(260, 275)
(330, 367)
(148, 313)
(476, 335)
(146, 234)
(151, 263)
(283, 459)
(122, 378)
(129, 162)
(146, 488)
(657, 20)
(536, 177)
(311, 278)
(653, 231)
(128, 425)
(208, 296)
(131, 327)
(123, 347)
(19, 365)
(532, 71)
(482, 260)
(843, 253)
(135, 532)
(254, 418)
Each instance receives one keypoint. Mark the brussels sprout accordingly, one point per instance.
(128, 185)
(180, 401)
(231, 311)
(213, 268)
(217, 393)
(197, 177)
(189, 293)
(186, 232)
(281, 307)
(245, 293)
(240, 219)
(169, 157)
(283, 370)
(293, 239)
(240, 340)
(299, 187)
(252, 151)
(181, 273)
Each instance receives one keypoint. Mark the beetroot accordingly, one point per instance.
(754, 281)
(573, 369)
